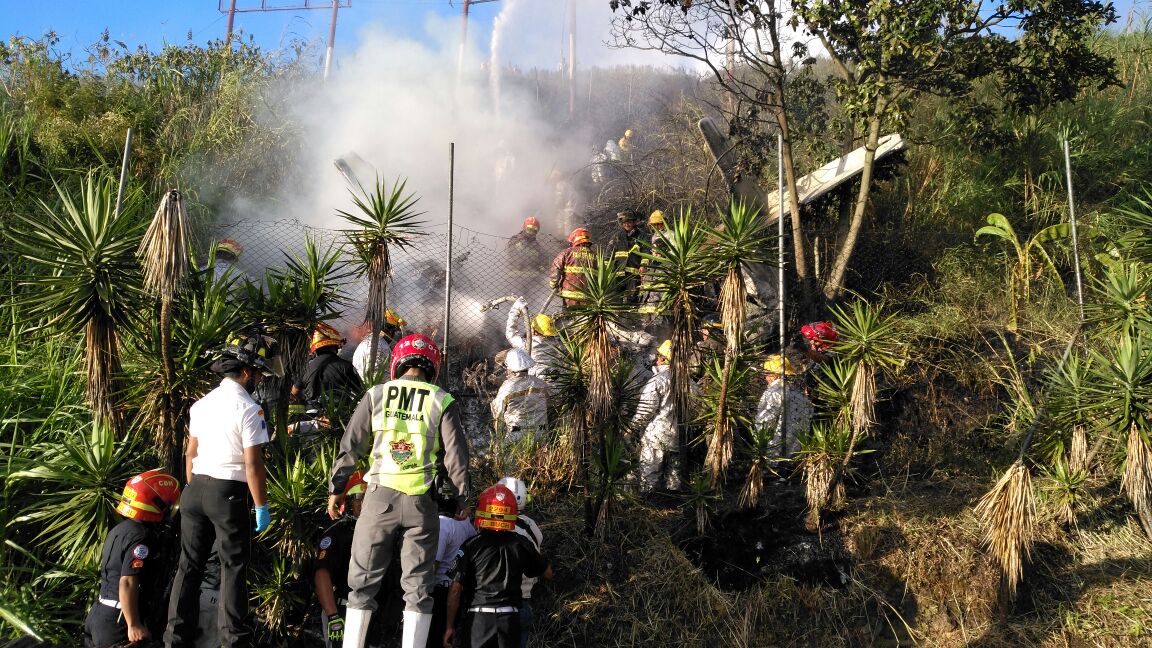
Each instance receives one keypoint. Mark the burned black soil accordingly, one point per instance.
(749, 546)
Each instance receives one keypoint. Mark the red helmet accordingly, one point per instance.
(148, 496)
(496, 510)
(531, 223)
(820, 335)
(415, 351)
(579, 235)
(325, 335)
(356, 487)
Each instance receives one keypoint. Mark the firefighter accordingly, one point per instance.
(330, 575)
(405, 425)
(389, 333)
(539, 340)
(781, 401)
(626, 246)
(655, 413)
(521, 404)
(819, 338)
(528, 528)
(567, 276)
(128, 562)
(455, 528)
(488, 578)
(225, 471)
(649, 298)
(330, 385)
(225, 253)
(524, 251)
(625, 143)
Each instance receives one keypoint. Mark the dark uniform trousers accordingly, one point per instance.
(104, 627)
(491, 630)
(211, 508)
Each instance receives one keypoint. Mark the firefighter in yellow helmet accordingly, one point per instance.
(655, 413)
(330, 385)
(392, 330)
(650, 299)
(784, 411)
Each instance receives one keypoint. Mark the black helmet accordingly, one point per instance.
(255, 351)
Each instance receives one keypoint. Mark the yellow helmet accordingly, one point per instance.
(665, 349)
(628, 133)
(778, 364)
(543, 325)
(390, 317)
(656, 218)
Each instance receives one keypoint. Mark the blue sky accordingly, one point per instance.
(155, 22)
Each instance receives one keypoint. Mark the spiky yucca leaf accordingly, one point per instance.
(739, 239)
(89, 280)
(1067, 490)
(724, 402)
(601, 307)
(384, 218)
(1137, 480)
(822, 453)
(1008, 514)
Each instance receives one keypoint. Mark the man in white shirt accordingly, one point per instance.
(225, 469)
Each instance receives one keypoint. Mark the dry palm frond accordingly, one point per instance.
(753, 485)
(598, 368)
(863, 398)
(102, 360)
(1078, 455)
(1137, 481)
(164, 250)
(822, 490)
(732, 309)
(720, 448)
(1008, 513)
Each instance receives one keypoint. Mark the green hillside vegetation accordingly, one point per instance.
(981, 469)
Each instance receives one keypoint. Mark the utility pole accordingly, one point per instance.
(265, 6)
(331, 40)
(231, 19)
(464, 36)
(572, 60)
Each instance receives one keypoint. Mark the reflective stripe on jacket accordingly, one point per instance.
(568, 271)
(406, 434)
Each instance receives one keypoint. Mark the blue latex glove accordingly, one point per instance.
(263, 518)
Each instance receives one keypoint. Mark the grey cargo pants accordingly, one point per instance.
(386, 510)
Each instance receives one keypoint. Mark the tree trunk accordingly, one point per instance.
(834, 288)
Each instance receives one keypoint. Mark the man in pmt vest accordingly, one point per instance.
(403, 425)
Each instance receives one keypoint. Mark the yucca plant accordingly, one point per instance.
(700, 499)
(821, 456)
(739, 239)
(1120, 306)
(1067, 490)
(275, 591)
(574, 415)
(600, 309)
(297, 495)
(75, 481)
(725, 397)
(384, 219)
(88, 279)
(678, 272)
(870, 342)
(1119, 393)
(1008, 514)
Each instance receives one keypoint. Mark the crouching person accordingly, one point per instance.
(128, 562)
(489, 576)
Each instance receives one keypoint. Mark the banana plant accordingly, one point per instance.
(1021, 257)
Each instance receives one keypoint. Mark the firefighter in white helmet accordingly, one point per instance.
(404, 426)
(528, 528)
(521, 404)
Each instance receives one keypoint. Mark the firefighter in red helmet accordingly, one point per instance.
(524, 251)
(403, 425)
(489, 575)
(568, 275)
(128, 562)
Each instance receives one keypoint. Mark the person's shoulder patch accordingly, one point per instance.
(137, 564)
(140, 551)
(323, 552)
(326, 542)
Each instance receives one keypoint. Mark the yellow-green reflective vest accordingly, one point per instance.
(406, 434)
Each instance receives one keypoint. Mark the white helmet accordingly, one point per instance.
(518, 488)
(518, 360)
